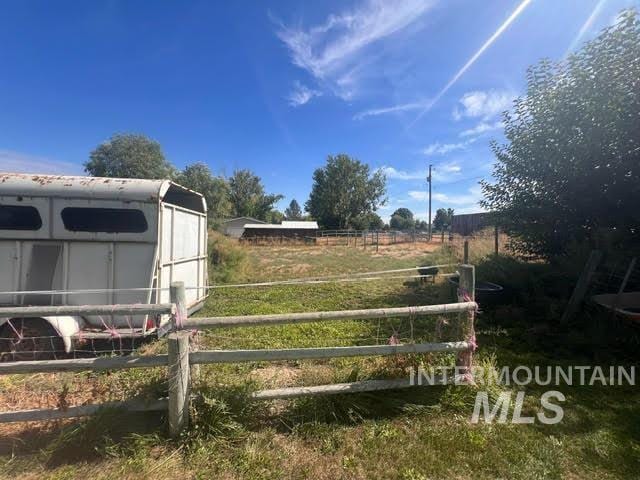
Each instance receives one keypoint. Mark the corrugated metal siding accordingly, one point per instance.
(471, 222)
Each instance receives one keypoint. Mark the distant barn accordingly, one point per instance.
(234, 227)
(471, 222)
(289, 229)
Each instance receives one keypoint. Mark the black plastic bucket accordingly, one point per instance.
(486, 293)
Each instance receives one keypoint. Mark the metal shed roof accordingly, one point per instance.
(285, 225)
(254, 220)
(299, 224)
(126, 189)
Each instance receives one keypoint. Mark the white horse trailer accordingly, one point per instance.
(97, 241)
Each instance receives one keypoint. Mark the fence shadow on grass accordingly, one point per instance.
(86, 438)
(229, 412)
(83, 440)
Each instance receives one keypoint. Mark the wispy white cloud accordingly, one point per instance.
(482, 127)
(333, 51)
(447, 168)
(301, 94)
(441, 173)
(483, 104)
(467, 200)
(418, 195)
(463, 199)
(474, 208)
(438, 148)
(519, 9)
(18, 162)
(405, 107)
(395, 174)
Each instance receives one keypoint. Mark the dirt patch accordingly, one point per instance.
(301, 268)
(50, 391)
(280, 376)
(276, 376)
(405, 250)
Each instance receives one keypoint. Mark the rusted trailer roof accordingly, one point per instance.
(125, 189)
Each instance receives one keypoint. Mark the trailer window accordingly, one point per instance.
(105, 220)
(19, 217)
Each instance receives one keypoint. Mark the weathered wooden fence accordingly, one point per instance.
(181, 357)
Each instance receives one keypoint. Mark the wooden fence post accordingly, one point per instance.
(377, 239)
(582, 285)
(443, 236)
(179, 382)
(178, 297)
(495, 239)
(466, 252)
(466, 293)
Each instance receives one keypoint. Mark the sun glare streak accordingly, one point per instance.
(586, 26)
(473, 59)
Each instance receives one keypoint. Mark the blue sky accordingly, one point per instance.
(276, 87)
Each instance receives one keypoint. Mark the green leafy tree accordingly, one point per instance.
(421, 225)
(402, 219)
(443, 218)
(129, 156)
(293, 211)
(571, 163)
(198, 177)
(367, 221)
(344, 189)
(274, 216)
(247, 195)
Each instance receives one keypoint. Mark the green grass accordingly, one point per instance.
(415, 434)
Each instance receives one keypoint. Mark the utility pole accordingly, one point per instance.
(429, 180)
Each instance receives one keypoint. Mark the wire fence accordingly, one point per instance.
(32, 338)
(24, 339)
(350, 238)
(485, 241)
(400, 330)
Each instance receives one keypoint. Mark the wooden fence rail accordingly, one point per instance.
(233, 356)
(341, 388)
(181, 356)
(44, 311)
(307, 317)
(83, 364)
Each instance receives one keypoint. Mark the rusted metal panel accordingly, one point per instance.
(131, 189)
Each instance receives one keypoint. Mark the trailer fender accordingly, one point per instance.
(67, 326)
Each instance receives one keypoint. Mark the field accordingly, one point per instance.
(417, 434)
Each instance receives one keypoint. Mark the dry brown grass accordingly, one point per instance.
(481, 244)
